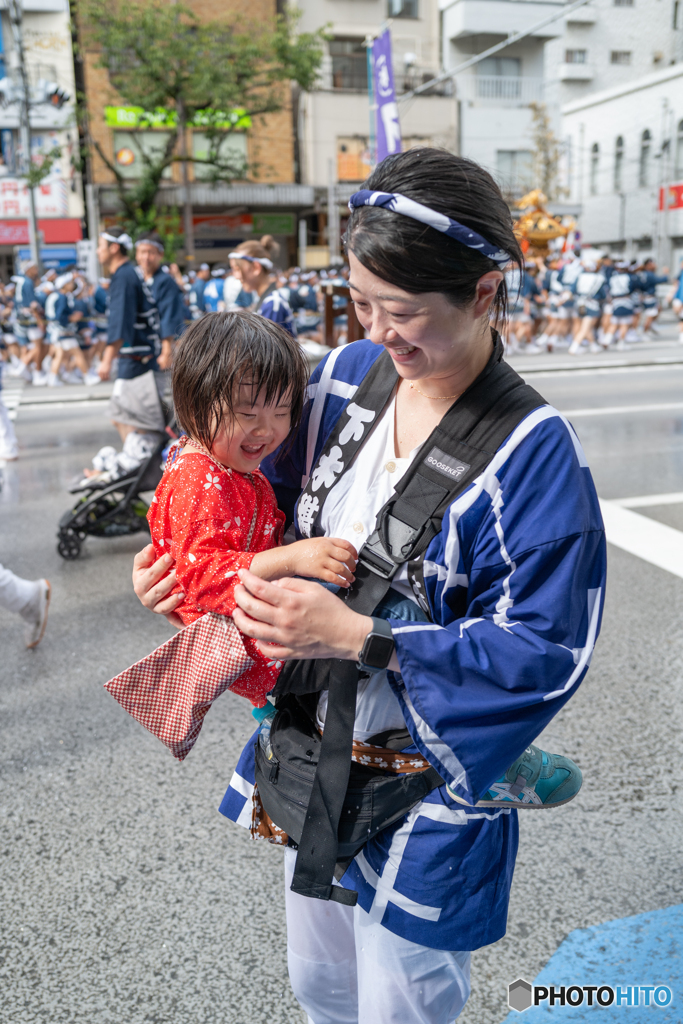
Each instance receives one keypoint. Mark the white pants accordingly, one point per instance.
(346, 969)
(15, 593)
(8, 439)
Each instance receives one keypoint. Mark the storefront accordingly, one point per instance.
(57, 231)
(225, 215)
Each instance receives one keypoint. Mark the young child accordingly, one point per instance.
(239, 382)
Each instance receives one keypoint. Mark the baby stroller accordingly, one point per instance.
(110, 509)
(115, 507)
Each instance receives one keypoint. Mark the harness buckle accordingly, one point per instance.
(391, 544)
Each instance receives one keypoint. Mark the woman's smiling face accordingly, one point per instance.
(425, 334)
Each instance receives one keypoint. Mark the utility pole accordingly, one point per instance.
(188, 226)
(15, 15)
(332, 215)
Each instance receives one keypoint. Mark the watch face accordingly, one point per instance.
(378, 650)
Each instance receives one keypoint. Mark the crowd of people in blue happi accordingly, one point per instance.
(587, 301)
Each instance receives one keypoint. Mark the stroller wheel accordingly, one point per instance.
(69, 544)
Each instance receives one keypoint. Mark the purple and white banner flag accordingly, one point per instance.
(387, 125)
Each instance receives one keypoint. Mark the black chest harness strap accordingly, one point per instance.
(455, 454)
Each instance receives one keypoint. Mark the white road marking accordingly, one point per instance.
(645, 538)
(616, 410)
(649, 500)
(80, 403)
(10, 394)
(602, 368)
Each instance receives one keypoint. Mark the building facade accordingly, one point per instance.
(223, 215)
(495, 95)
(628, 146)
(603, 44)
(59, 198)
(333, 121)
(609, 43)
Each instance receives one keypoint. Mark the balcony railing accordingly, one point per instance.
(501, 90)
(349, 74)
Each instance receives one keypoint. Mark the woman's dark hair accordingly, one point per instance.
(224, 350)
(419, 258)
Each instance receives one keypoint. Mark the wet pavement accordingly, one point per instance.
(125, 897)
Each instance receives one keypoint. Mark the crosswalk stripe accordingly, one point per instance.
(619, 410)
(643, 537)
(649, 500)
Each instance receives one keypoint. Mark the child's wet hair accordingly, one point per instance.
(222, 351)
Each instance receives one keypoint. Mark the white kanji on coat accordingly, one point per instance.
(358, 417)
(328, 469)
(308, 506)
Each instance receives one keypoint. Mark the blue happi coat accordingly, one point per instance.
(515, 585)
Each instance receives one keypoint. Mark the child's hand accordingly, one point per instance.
(323, 558)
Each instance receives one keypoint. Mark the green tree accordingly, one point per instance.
(182, 72)
(546, 153)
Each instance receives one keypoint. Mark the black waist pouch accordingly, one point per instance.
(285, 769)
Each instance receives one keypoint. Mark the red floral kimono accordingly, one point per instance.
(213, 521)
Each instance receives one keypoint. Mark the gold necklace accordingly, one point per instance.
(433, 398)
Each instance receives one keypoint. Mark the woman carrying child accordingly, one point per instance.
(513, 583)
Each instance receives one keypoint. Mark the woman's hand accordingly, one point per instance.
(152, 582)
(298, 619)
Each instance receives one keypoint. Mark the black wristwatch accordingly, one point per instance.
(378, 647)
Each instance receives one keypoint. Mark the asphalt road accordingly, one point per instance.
(125, 897)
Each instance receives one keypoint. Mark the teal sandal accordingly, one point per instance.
(536, 779)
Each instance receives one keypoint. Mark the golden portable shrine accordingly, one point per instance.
(535, 226)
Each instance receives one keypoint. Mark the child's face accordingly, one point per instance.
(256, 430)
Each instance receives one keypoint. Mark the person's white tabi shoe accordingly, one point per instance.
(35, 614)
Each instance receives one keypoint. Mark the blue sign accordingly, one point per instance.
(53, 257)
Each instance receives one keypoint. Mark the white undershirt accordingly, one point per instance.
(349, 512)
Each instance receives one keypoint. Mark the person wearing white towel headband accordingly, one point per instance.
(169, 299)
(252, 263)
(505, 613)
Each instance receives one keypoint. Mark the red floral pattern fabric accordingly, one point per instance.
(213, 521)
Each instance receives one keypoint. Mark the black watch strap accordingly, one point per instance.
(378, 647)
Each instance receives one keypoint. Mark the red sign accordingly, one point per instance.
(671, 197)
(54, 231)
(222, 225)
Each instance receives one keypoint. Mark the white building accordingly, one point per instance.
(608, 43)
(334, 120)
(494, 96)
(601, 45)
(627, 144)
(49, 59)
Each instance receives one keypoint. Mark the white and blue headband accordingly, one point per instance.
(251, 259)
(125, 240)
(398, 203)
(150, 241)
